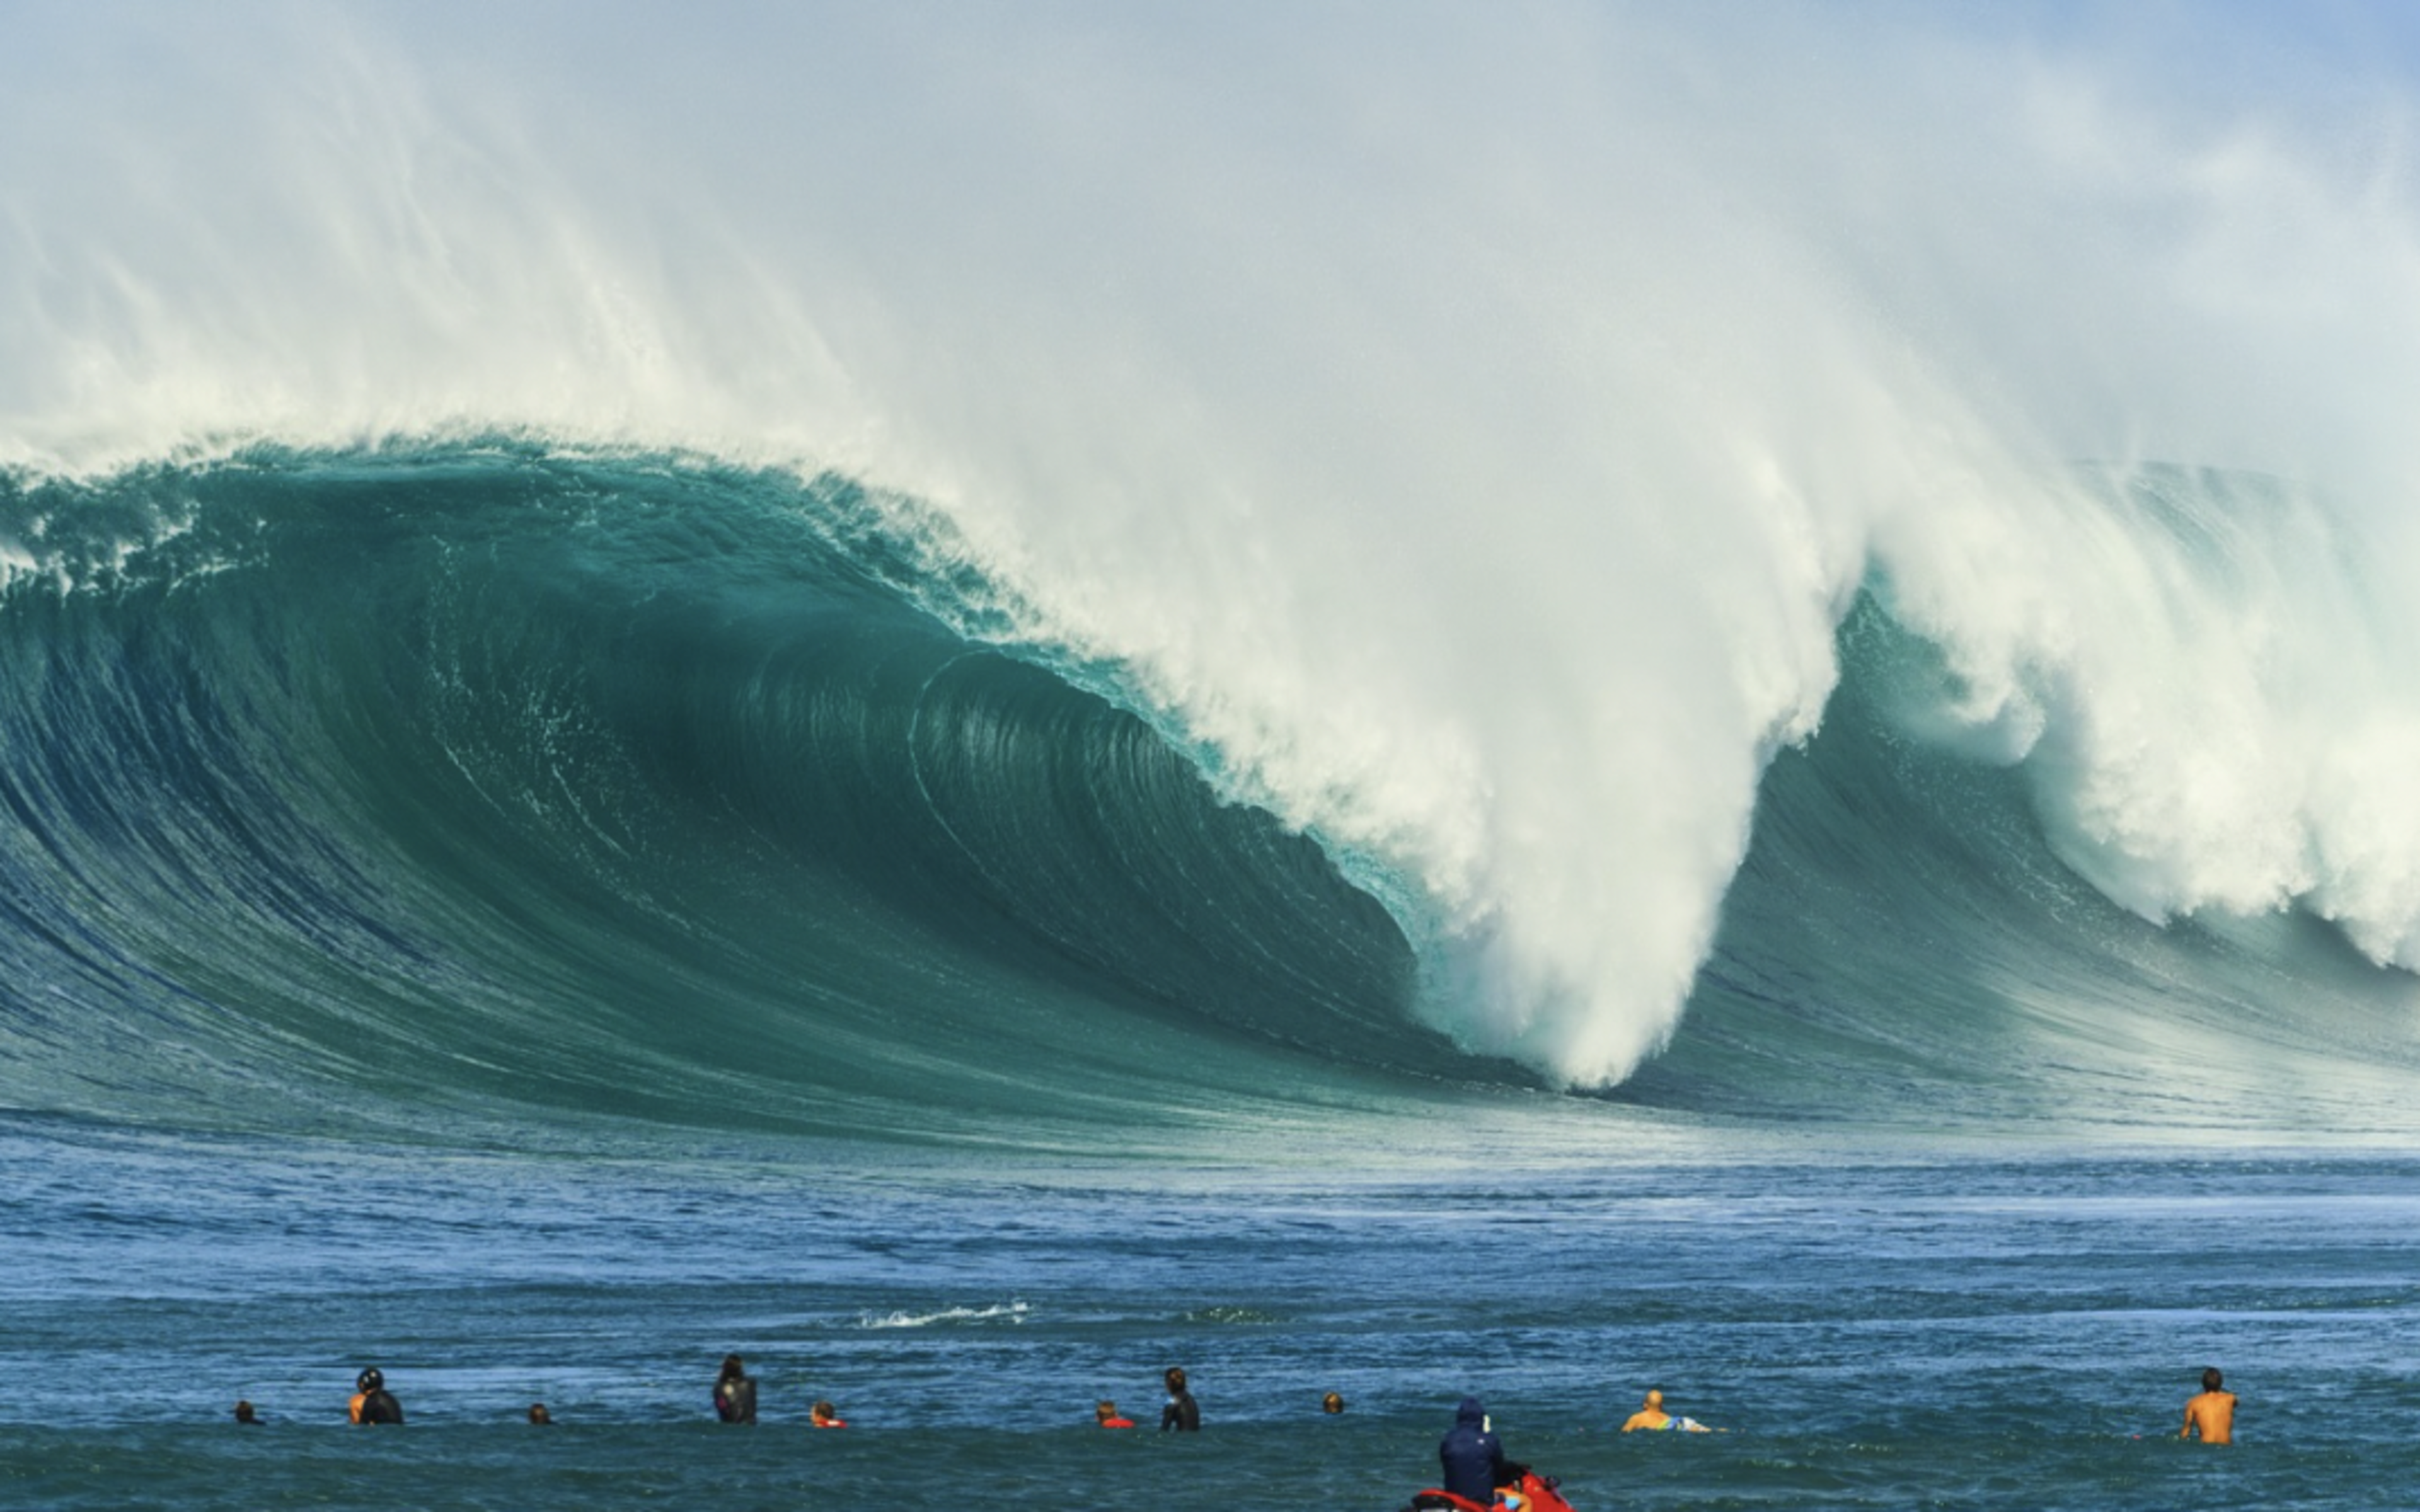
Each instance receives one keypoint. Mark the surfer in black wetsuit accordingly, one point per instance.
(244, 1414)
(1180, 1414)
(372, 1402)
(734, 1392)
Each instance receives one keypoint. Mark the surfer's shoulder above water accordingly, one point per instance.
(2211, 1414)
(1651, 1418)
(1179, 1414)
(734, 1392)
(372, 1402)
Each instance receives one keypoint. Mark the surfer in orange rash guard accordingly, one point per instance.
(1105, 1415)
(825, 1415)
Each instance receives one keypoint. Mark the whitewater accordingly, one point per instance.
(1109, 685)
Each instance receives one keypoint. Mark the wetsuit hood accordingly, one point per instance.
(1470, 1412)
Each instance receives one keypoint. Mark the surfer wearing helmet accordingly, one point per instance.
(372, 1402)
(734, 1392)
(1179, 1416)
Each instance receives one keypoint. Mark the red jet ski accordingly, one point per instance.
(1534, 1493)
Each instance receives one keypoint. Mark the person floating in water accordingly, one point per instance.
(1651, 1418)
(372, 1402)
(825, 1415)
(1332, 1403)
(539, 1416)
(244, 1414)
(2213, 1413)
(1180, 1414)
(1471, 1457)
(1105, 1412)
(734, 1392)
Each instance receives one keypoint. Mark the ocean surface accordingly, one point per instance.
(974, 703)
(1870, 1329)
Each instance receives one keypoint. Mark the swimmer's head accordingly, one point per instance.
(537, 1413)
(1655, 1396)
(1333, 1402)
(732, 1365)
(1105, 1410)
(2210, 1377)
(370, 1380)
(243, 1412)
(1175, 1377)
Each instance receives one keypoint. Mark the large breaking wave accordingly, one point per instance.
(1111, 563)
(469, 779)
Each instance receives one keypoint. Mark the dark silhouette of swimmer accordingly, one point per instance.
(1180, 1414)
(1471, 1457)
(539, 1416)
(372, 1402)
(244, 1413)
(734, 1392)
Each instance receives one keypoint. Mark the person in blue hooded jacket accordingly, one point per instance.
(1471, 1457)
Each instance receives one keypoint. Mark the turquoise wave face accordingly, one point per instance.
(483, 793)
(1904, 945)
(460, 786)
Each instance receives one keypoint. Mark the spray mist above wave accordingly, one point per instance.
(1466, 430)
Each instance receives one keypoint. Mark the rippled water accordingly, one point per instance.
(1875, 1329)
